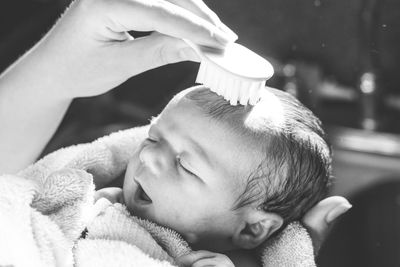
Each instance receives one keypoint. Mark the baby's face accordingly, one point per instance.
(189, 174)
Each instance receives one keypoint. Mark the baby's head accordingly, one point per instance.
(225, 176)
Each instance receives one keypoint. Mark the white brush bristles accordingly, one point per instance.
(233, 88)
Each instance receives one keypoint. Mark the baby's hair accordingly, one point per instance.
(296, 170)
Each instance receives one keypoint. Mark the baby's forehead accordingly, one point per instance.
(199, 104)
(250, 121)
(255, 124)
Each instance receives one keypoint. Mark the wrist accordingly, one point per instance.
(32, 77)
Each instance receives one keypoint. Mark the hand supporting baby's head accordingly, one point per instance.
(228, 176)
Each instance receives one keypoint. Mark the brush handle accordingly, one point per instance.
(236, 59)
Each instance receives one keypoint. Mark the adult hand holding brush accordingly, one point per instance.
(88, 52)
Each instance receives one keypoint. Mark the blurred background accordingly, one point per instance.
(340, 58)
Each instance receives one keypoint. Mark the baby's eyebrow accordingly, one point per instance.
(199, 150)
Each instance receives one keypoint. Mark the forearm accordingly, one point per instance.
(30, 111)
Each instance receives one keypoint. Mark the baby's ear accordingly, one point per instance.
(256, 227)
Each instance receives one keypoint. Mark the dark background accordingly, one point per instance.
(320, 49)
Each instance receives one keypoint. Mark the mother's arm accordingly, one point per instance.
(30, 112)
(89, 52)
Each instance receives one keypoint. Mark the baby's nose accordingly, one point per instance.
(156, 157)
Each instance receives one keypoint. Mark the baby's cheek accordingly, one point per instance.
(174, 218)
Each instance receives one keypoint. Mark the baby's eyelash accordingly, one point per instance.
(151, 139)
(153, 119)
(183, 167)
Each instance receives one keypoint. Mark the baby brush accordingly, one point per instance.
(236, 73)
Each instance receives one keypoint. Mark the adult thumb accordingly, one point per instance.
(155, 50)
(320, 218)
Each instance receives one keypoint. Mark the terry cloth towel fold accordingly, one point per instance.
(115, 227)
(45, 208)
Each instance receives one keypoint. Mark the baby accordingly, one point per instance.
(228, 177)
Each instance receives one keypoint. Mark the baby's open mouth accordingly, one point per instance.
(141, 196)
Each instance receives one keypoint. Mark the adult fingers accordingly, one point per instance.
(320, 218)
(194, 256)
(152, 51)
(220, 261)
(325, 212)
(199, 8)
(113, 194)
(166, 18)
(206, 263)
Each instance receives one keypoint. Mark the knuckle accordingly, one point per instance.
(213, 18)
(205, 12)
(166, 52)
(162, 55)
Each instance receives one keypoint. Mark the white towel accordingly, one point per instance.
(45, 208)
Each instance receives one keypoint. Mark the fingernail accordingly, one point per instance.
(335, 213)
(229, 31)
